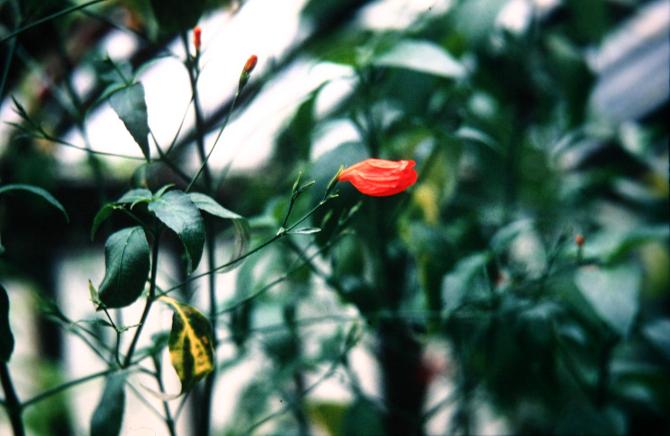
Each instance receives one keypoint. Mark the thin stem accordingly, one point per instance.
(216, 141)
(150, 299)
(169, 421)
(192, 68)
(166, 160)
(117, 345)
(204, 409)
(49, 18)
(291, 403)
(144, 401)
(55, 140)
(276, 281)
(220, 267)
(10, 53)
(55, 390)
(279, 235)
(12, 403)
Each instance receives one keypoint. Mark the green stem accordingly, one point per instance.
(279, 235)
(150, 299)
(204, 408)
(10, 53)
(53, 391)
(169, 420)
(192, 69)
(12, 403)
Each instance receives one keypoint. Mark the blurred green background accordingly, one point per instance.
(463, 306)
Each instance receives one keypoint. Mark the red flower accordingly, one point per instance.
(380, 177)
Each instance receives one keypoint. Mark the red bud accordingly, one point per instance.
(579, 240)
(197, 32)
(250, 65)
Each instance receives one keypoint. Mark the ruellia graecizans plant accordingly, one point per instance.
(132, 255)
(485, 239)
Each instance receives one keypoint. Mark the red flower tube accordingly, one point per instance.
(380, 177)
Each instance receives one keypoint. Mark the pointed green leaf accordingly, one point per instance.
(657, 332)
(422, 56)
(37, 191)
(190, 343)
(93, 294)
(100, 217)
(613, 293)
(305, 231)
(211, 206)
(126, 267)
(6, 336)
(108, 415)
(129, 105)
(176, 210)
(162, 190)
(135, 195)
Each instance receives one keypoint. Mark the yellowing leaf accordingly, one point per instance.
(190, 343)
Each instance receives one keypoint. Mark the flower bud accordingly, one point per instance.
(246, 71)
(197, 33)
(579, 240)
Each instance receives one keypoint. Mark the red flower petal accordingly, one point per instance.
(380, 177)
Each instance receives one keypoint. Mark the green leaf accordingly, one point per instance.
(361, 417)
(475, 135)
(108, 415)
(37, 191)
(176, 210)
(464, 282)
(93, 294)
(613, 293)
(6, 336)
(190, 343)
(209, 205)
(422, 56)
(657, 333)
(177, 15)
(136, 195)
(100, 217)
(129, 105)
(507, 234)
(126, 267)
(305, 231)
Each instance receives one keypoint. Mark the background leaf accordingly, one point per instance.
(37, 191)
(135, 195)
(211, 206)
(129, 105)
(6, 336)
(612, 293)
(190, 343)
(108, 415)
(422, 56)
(176, 210)
(100, 218)
(126, 267)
